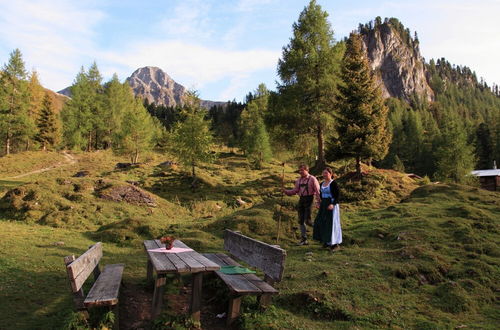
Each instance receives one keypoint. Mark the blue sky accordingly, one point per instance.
(223, 48)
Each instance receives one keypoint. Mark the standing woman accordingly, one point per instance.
(327, 224)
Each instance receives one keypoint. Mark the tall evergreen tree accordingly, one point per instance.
(308, 70)
(255, 139)
(83, 116)
(47, 123)
(192, 139)
(76, 113)
(362, 124)
(455, 157)
(484, 147)
(137, 131)
(118, 102)
(36, 94)
(14, 98)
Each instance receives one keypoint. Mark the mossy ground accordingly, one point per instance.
(428, 261)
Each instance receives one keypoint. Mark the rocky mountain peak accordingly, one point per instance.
(156, 86)
(395, 57)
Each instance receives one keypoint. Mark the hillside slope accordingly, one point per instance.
(411, 258)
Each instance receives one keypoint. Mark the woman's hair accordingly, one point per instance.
(329, 170)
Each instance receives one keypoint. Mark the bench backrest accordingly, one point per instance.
(268, 258)
(80, 269)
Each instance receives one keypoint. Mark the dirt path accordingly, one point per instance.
(69, 160)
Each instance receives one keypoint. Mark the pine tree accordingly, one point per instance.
(37, 94)
(455, 158)
(484, 147)
(137, 131)
(14, 98)
(255, 139)
(118, 101)
(84, 115)
(192, 139)
(308, 70)
(76, 113)
(362, 124)
(48, 128)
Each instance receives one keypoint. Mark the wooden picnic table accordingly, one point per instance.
(177, 263)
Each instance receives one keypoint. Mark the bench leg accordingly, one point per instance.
(265, 300)
(158, 295)
(149, 274)
(234, 309)
(195, 307)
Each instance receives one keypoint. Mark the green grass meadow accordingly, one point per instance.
(413, 257)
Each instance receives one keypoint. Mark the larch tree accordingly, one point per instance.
(15, 124)
(82, 115)
(455, 157)
(36, 97)
(118, 102)
(362, 123)
(136, 132)
(255, 138)
(309, 73)
(192, 139)
(47, 123)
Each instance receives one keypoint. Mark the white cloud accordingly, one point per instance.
(189, 19)
(194, 64)
(52, 35)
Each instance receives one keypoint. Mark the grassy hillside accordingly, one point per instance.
(413, 257)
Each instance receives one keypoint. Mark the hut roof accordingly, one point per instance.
(494, 172)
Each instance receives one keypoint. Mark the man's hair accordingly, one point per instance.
(304, 166)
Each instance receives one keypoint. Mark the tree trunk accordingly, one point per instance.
(7, 144)
(320, 162)
(89, 144)
(136, 156)
(358, 166)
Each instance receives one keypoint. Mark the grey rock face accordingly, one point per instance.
(399, 67)
(156, 86)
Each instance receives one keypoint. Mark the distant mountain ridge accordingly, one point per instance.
(157, 87)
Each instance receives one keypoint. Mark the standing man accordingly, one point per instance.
(306, 187)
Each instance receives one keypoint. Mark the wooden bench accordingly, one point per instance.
(106, 287)
(268, 258)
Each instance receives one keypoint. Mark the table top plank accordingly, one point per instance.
(183, 262)
(194, 264)
(209, 264)
(161, 264)
(179, 263)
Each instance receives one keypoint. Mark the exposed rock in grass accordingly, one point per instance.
(81, 174)
(129, 194)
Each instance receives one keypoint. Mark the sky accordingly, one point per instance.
(223, 48)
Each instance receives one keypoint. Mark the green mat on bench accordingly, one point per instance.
(233, 270)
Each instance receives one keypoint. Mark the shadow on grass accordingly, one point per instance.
(8, 184)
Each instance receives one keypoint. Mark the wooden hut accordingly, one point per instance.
(489, 179)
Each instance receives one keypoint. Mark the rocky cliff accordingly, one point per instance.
(156, 86)
(395, 57)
